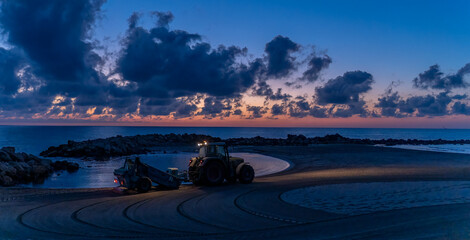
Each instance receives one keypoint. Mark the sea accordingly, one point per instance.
(34, 139)
(93, 174)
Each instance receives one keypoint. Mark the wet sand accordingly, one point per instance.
(253, 211)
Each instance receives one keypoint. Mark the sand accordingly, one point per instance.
(254, 211)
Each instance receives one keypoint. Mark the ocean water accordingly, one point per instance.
(34, 139)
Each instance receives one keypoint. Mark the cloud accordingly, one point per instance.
(167, 64)
(318, 112)
(263, 89)
(315, 65)
(344, 89)
(460, 108)
(164, 18)
(435, 79)
(279, 51)
(214, 106)
(426, 105)
(256, 111)
(51, 54)
(55, 39)
(10, 63)
(237, 112)
(278, 109)
(392, 105)
(389, 104)
(344, 94)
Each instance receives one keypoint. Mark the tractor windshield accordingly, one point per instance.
(212, 150)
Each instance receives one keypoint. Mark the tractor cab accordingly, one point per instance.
(213, 165)
(218, 149)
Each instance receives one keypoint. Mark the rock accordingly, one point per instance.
(72, 167)
(4, 156)
(65, 165)
(16, 168)
(40, 172)
(7, 169)
(6, 180)
(10, 150)
(104, 149)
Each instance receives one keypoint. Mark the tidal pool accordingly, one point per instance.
(97, 174)
(363, 198)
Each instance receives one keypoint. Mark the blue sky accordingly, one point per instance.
(393, 40)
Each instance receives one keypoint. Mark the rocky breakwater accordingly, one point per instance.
(103, 149)
(301, 140)
(18, 168)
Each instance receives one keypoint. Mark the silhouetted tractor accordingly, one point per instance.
(214, 165)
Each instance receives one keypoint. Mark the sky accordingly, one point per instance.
(236, 63)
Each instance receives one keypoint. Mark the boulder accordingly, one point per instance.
(6, 180)
(21, 167)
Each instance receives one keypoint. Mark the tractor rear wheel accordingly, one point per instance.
(144, 185)
(213, 173)
(247, 173)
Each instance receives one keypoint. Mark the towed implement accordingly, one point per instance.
(139, 176)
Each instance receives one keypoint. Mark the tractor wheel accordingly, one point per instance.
(246, 174)
(144, 185)
(213, 173)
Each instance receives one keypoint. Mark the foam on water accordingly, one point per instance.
(363, 198)
(450, 148)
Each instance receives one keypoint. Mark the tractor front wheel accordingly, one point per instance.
(247, 173)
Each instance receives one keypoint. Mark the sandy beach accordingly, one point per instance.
(254, 211)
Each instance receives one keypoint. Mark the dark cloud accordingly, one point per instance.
(237, 112)
(164, 18)
(318, 112)
(388, 104)
(256, 111)
(167, 64)
(185, 110)
(344, 89)
(435, 79)
(55, 37)
(426, 105)
(279, 56)
(10, 63)
(278, 109)
(263, 89)
(315, 65)
(214, 106)
(392, 105)
(461, 108)
(344, 94)
(57, 55)
(351, 109)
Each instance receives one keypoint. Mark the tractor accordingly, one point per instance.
(214, 165)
